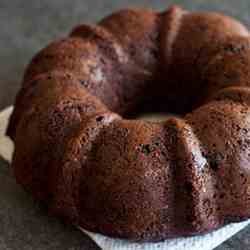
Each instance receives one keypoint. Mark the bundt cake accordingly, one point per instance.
(79, 150)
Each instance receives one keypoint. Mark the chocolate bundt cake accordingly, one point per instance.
(78, 149)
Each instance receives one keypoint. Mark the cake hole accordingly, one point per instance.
(153, 117)
(152, 106)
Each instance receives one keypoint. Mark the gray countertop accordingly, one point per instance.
(26, 27)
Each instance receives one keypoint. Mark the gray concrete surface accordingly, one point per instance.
(26, 27)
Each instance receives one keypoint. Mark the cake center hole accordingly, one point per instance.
(157, 109)
(154, 116)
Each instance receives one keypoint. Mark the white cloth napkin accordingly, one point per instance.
(204, 242)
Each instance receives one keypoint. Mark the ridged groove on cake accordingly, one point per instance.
(201, 37)
(141, 151)
(66, 191)
(194, 182)
(223, 128)
(137, 32)
(172, 20)
(54, 117)
(108, 41)
(237, 94)
(217, 74)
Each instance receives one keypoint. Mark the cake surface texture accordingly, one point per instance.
(78, 149)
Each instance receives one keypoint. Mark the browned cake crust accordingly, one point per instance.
(135, 179)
